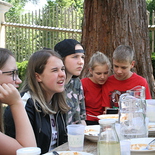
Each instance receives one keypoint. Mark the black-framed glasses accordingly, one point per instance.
(14, 74)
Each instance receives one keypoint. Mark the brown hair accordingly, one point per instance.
(123, 53)
(99, 58)
(4, 56)
(36, 64)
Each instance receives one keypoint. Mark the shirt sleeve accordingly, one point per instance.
(82, 103)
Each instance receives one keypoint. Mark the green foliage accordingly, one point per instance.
(77, 4)
(153, 63)
(22, 69)
(16, 9)
(150, 7)
(153, 56)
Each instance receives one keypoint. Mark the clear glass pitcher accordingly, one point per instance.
(138, 92)
(131, 117)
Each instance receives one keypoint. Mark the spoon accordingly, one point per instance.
(92, 115)
(148, 145)
(55, 153)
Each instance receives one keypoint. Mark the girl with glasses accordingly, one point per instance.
(9, 95)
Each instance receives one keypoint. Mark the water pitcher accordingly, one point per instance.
(132, 117)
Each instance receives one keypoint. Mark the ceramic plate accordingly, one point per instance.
(91, 132)
(151, 128)
(108, 116)
(141, 141)
(69, 153)
(74, 153)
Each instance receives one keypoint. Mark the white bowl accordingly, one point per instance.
(108, 116)
(150, 109)
(142, 141)
(69, 153)
(91, 132)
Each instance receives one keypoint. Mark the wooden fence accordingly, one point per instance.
(42, 28)
(152, 29)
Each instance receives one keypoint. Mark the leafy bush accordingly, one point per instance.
(22, 69)
(153, 63)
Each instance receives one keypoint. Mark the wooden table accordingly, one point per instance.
(89, 147)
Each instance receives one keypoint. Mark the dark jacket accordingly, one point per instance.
(41, 126)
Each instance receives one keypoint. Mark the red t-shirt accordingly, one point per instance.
(93, 98)
(113, 88)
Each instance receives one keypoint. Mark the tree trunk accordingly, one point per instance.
(109, 23)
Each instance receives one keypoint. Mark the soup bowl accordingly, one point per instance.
(138, 146)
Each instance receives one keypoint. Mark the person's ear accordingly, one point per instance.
(90, 71)
(132, 64)
(38, 78)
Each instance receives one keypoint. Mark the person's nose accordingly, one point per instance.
(62, 74)
(81, 61)
(102, 76)
(18, 80)
(119, 70)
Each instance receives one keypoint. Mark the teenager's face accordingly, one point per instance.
(99, 74)
(122, 69)
(52, 79)
(74, 63)
(10, 77)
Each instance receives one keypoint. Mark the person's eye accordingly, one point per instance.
(63, 68)
(106, 72)
(54, 70)
(11, 73)
(124, 67)
(75, 56)
(83, 57)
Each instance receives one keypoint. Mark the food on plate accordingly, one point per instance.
(70, 153)
(151, 127)
(141, 147)
(108, 116)
(124, 117)
(90, 130)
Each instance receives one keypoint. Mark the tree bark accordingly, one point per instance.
(109, 23)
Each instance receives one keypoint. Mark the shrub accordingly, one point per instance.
(153, 63)
(22, 69)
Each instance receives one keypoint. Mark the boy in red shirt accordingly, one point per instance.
(123, 78)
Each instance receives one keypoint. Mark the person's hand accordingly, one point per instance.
(9, 94)
(104, 112)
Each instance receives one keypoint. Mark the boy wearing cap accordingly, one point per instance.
(73, 56)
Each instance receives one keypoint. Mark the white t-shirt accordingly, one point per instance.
(54, 132)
